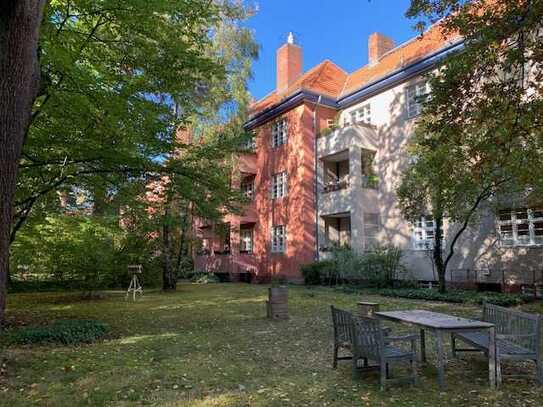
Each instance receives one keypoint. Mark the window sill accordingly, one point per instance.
(522, 246)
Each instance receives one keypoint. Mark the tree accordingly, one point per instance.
(19, 85)
(111, 73)
(480, 135)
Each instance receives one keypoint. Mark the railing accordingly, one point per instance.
(336, 186)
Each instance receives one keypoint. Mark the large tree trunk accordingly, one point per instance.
(169, 276)
(20, 22)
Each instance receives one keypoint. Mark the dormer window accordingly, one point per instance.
(279, 133)
(416, 95)
(361, 115)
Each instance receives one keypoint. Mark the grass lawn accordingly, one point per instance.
(210, 345)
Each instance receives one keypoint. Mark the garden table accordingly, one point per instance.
(439, 324)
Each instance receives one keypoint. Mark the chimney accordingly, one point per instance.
(378, 45)
(289, 64)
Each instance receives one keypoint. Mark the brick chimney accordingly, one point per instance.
(378, 45)
(289, 64)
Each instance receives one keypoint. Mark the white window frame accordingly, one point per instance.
(250, 144)
(246, 241)
(424, 234)
(361, 115)
(279, 133)
(278, 239)
(279, 185)
(247, 188)
(532, 224)
(371, 240)
(416, 95)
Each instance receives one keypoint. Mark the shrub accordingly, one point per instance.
(204, 278)
(320, 272)
(505, 300)
(475, 297)
(378, 267)
(81, 252)
(67, 332)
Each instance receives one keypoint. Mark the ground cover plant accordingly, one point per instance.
(211, 345)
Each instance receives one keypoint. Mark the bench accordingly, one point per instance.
(517, 338)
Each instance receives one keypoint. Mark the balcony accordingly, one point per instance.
(347, 138)
(335, 232)
(246, 163)
(335, 186)
(249, 215)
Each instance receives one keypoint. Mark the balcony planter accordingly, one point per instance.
(370, 181)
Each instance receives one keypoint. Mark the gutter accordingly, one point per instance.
(316, 187)
(390, 80)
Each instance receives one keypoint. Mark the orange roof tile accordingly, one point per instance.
(326, 78)
(330, 80)
(407, 53)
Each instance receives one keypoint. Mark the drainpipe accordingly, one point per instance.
(316, 187)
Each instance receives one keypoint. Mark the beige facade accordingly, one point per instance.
(480, 255)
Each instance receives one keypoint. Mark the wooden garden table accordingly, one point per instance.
(439, 324)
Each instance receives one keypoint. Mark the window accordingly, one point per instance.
(248, 188)
(222, 231)
(279, 185)
(371, 230)
(369, 177)
(279, 237)
(279, 133)
(521, 227)
(416, 95)
(249, 144)
(424, 233)
(361, 115)
(246, 241)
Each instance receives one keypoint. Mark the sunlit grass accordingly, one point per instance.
(211, 345)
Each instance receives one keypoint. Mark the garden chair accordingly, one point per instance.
(342, 321)
(370, 343)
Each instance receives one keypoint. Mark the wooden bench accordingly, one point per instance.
(517, 338)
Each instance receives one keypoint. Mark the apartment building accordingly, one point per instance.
(327, 157)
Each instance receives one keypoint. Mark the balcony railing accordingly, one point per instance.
(336, 186)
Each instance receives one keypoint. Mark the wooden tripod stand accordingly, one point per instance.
(135, 284)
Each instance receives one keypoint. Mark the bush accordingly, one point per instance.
(204, 278)
(67, 332)
(320, 272)
(379, 267)
(505, 300)
(80, 252)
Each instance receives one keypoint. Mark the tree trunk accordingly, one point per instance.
(169, 278)
(20, 22)
(438, 253)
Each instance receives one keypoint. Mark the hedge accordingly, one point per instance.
(67, 332)
(502, 299)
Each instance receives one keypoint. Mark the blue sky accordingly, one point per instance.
(326, 29)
